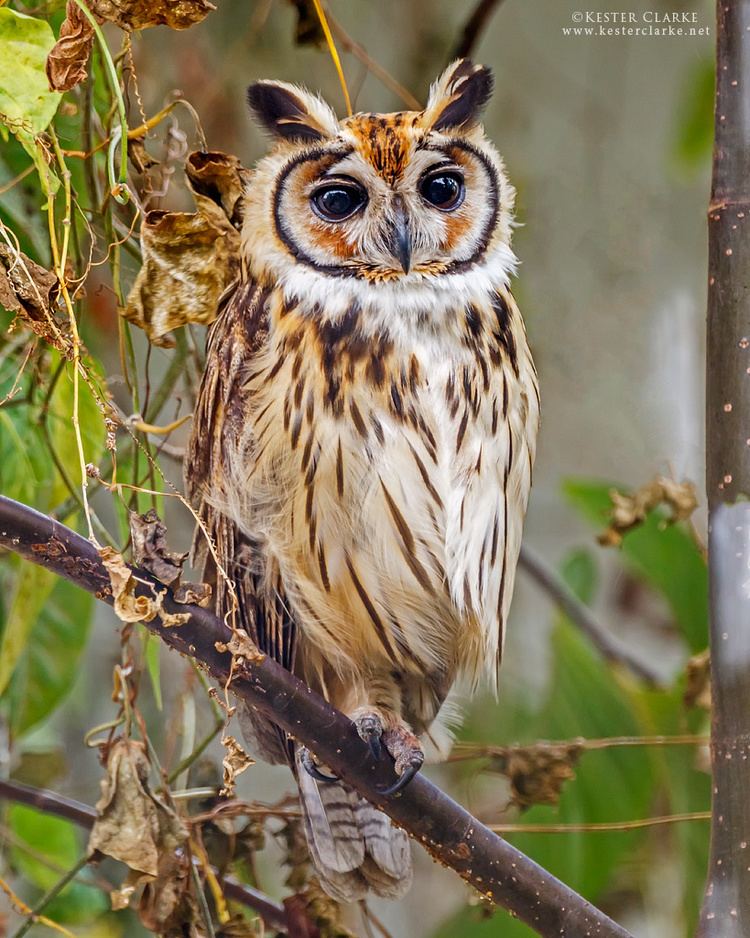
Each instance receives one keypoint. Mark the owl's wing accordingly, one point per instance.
(494, 459)
(238, 334)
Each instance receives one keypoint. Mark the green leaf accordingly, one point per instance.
(694, 134)
(60, 843)
(26, 103)
(49, 665)
(33, 585)
(665, 556)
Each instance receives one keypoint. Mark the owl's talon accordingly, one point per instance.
(309, 766)
(402, 781)
(370, 729)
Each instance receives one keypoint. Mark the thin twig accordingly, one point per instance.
(579, 613)
(358, 51)
(34, 914)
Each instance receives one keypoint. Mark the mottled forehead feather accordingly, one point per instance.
(384, 140)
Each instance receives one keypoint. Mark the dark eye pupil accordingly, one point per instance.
(442, 191)
(337, 202)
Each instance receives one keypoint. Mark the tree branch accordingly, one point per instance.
(473, 28)
(500, 872)
(726, 907)
(272, 913)
(611, 648)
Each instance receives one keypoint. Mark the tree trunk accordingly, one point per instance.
(726, 908)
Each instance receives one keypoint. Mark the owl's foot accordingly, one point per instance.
(407, 753)
(370, 728)
(378, 731)
(308, 764)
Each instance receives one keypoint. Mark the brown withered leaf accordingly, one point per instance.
(235, 761)
(30, 291)
(128, 607)
(538, 772)
(150, 550)
(628, 511)
(698, 681)
(68, 59)
(241, 646)
(140, 157)
(140, 14)
(188, 261)
(132, 825)
(218, 180)
(190, 258)
(198, 594)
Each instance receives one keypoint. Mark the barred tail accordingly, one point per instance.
(354, 847)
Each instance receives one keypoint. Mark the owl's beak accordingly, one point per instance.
(401, 237)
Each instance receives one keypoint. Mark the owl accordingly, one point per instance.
(364, 436)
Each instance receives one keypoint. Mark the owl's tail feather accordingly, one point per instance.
(355, 848)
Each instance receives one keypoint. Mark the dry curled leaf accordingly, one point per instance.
(30, 291)
(150, 550)
(218, 181)
(197, 594)
(538, 772)
(628, 511)
(314, 914)
(698, 681)
(68, 59)
(241, 646)
(139, 14)
(189, 259)
(128, 607)
(235, 761)
(132, 826)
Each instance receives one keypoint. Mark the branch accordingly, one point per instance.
(500, 872)
(272, 913)
(726, 907)
(611, 648)
(473, 29)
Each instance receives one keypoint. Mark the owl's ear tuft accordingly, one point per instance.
(458, 97)
(291, 113)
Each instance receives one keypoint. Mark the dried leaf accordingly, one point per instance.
(190, 258)
(128, 607)
(538, 772)
(68, 60)
(30, 291)
(139, 14)
(628, 511)
(150, 550)
(198, 594)
(241, 646)
(140, 157)
(218, 179)
(234, 762)
(188, 261)
(131, 825)
(698, 681)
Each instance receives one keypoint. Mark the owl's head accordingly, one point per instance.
(399, 199)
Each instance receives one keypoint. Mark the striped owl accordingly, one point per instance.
(364, 436)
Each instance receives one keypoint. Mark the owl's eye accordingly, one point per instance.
(445, 191)
(339, 201)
